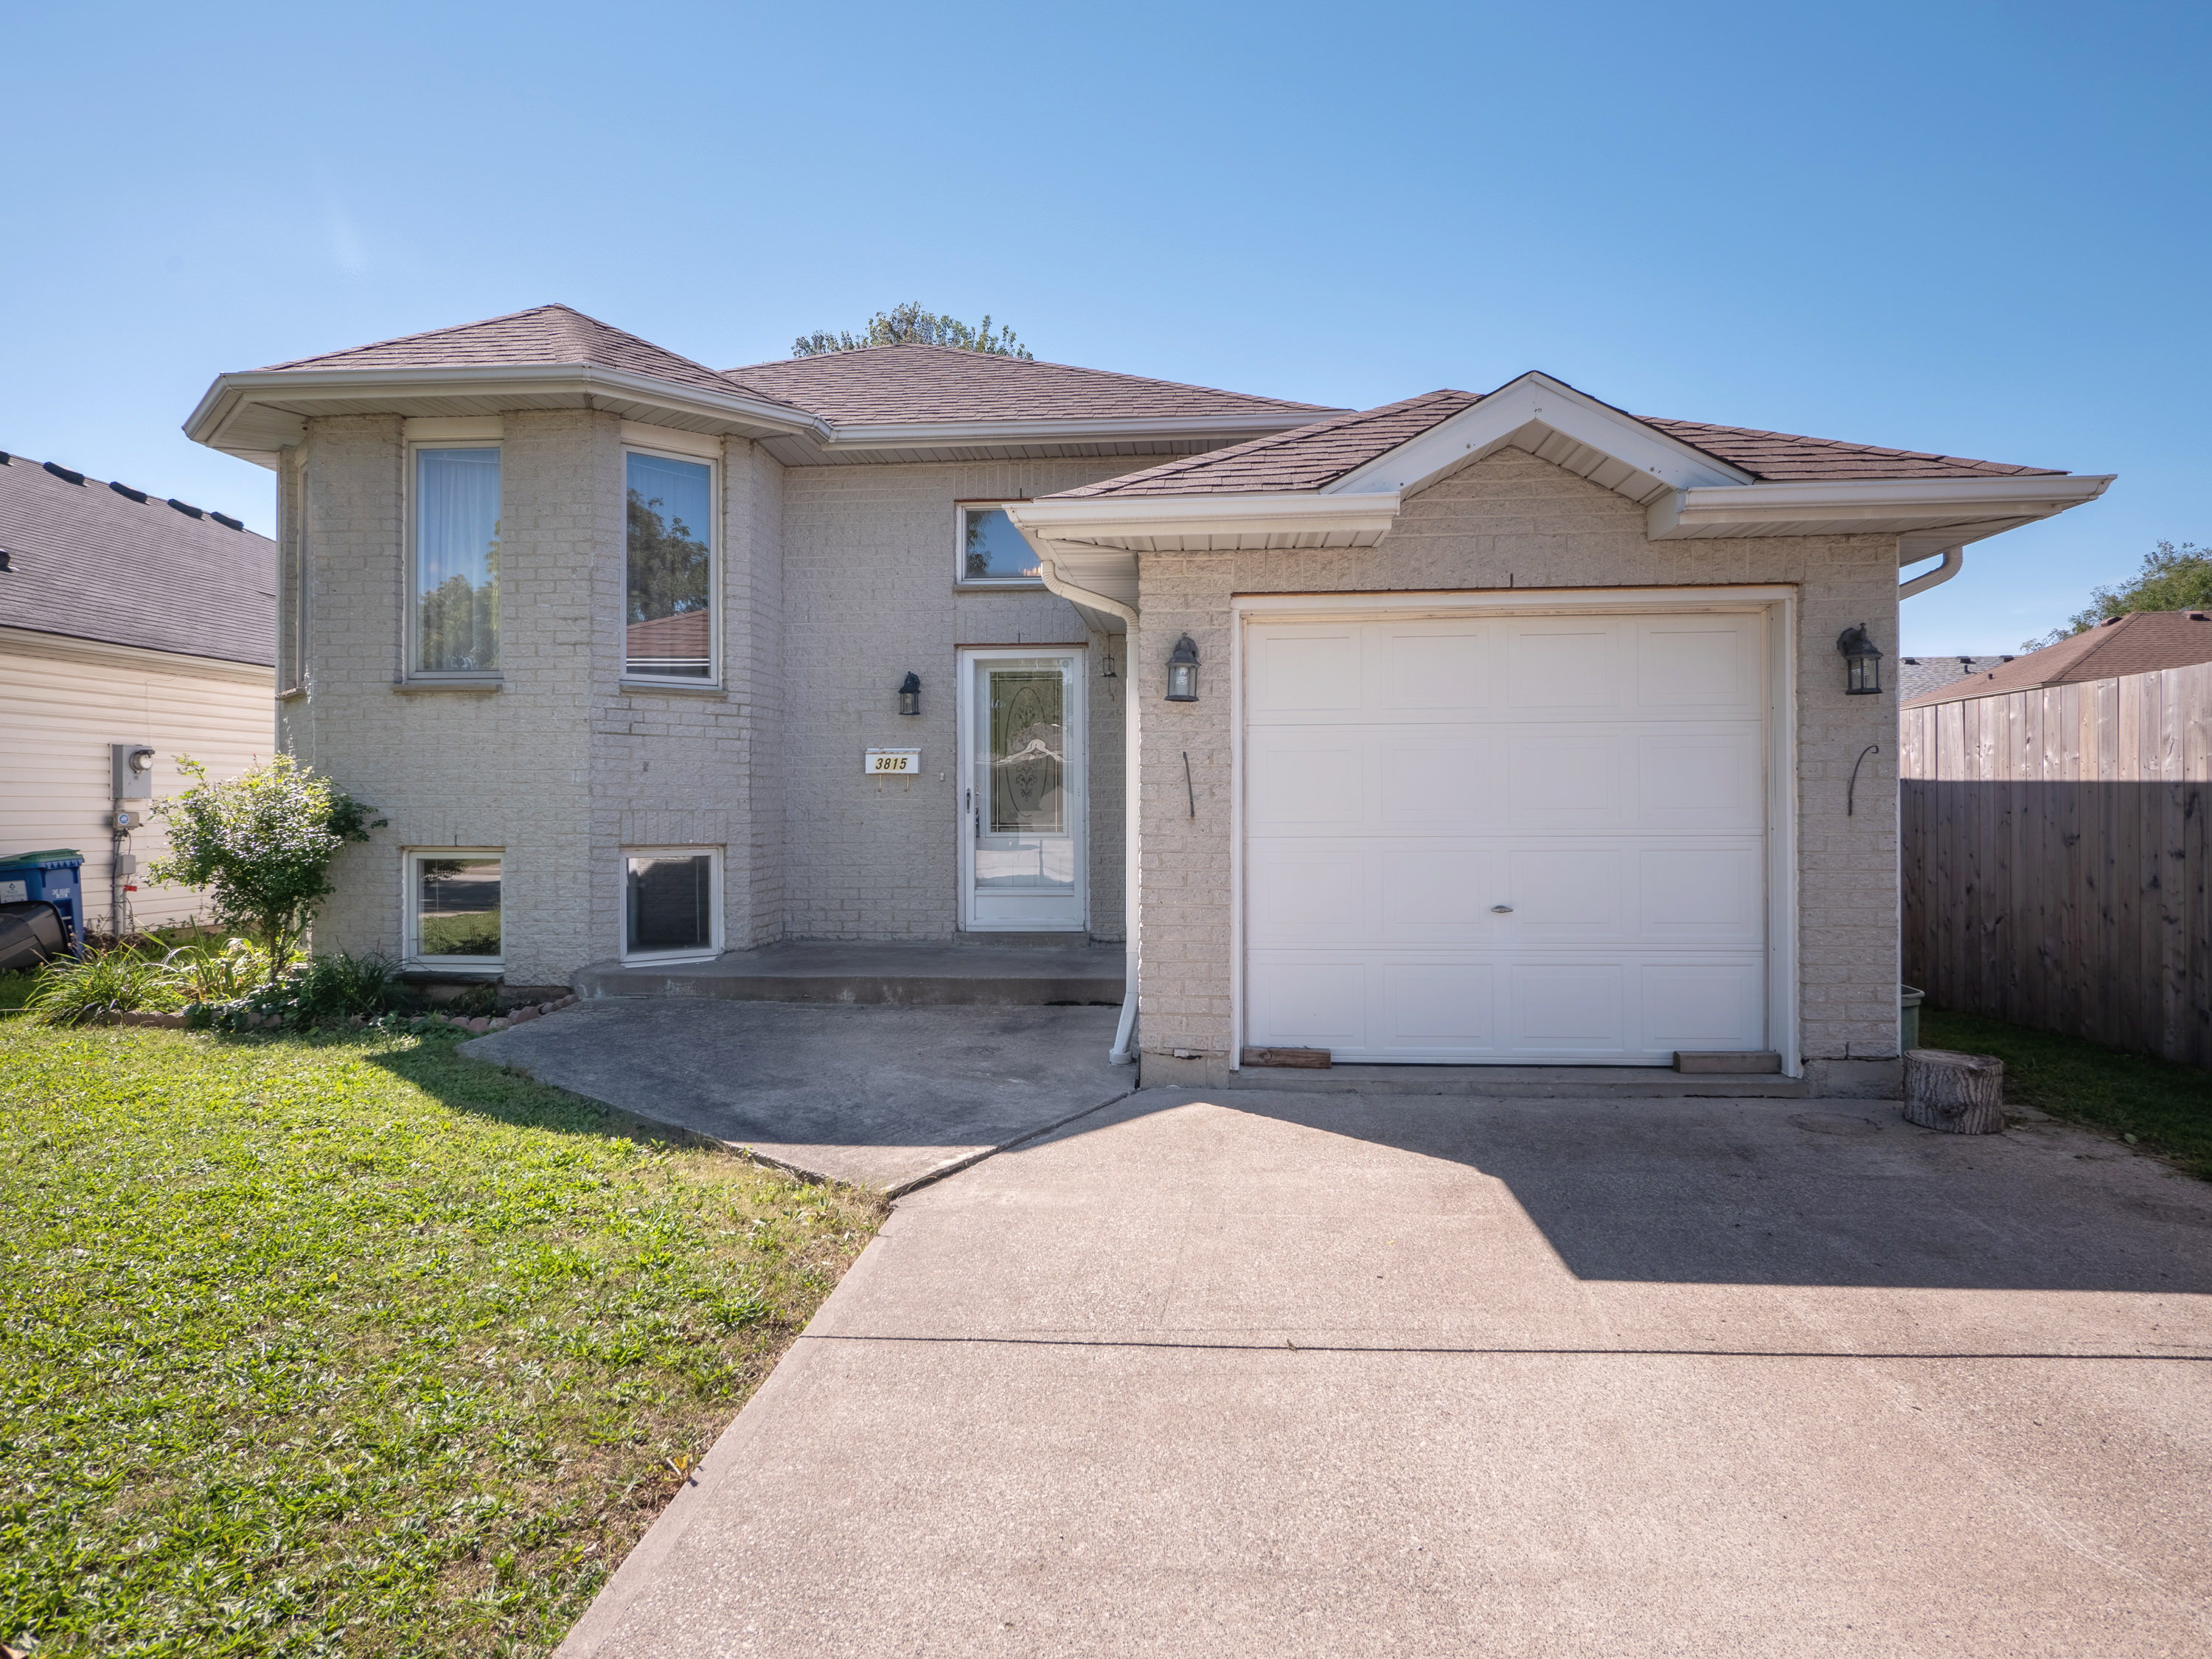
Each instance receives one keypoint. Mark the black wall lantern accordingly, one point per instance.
(1861, 662)
(1183, 672)
(910, 694)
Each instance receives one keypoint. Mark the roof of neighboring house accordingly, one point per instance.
(542, 334)
(1314, 456)
(684, 635)
(87, 561)
(2136, 643)
(901, 384)
(1917, 676)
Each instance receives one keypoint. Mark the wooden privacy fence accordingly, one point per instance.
(2055, 858)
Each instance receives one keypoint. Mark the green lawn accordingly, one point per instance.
(344, 1345)
(2158, 1104)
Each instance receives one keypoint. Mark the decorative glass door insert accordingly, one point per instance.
(1022, 794)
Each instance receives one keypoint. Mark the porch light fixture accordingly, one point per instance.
(910, 694)
(1183, 672)
(1861, 662)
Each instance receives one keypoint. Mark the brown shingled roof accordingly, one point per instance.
(913, 384)
(544, 334)
(1312, 457)
(1304, 459)
(2136, 643)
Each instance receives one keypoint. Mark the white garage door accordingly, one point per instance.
(1520, 839)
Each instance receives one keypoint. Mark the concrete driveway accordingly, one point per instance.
(1277, 1374)
(879, 1097)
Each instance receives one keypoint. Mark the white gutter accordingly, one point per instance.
(1871, 503)
(1954, 560)
(1125, 1030)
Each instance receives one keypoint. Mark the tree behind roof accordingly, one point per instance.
(2172, 579)
(910, 325)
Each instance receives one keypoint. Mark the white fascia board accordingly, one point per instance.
(1540, 399)
(951, 435)
(230, 394)
(1874, 504)
(1106, 520)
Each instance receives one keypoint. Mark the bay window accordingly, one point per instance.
(669, 618)
(454, 590)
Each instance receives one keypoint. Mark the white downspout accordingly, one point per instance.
(1954, 560)
(1125, 1033)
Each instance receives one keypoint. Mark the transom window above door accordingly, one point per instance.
(992, 549)
(669, 607)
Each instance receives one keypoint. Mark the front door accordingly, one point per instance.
(1022, 861)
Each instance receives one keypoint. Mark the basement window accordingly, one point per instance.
(672, 903)
(453, 908)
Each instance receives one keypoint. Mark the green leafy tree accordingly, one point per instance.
(2172, 579)
(262, 844)
(911, 324)
(667, 563)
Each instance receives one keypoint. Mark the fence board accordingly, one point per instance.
(2057, 858)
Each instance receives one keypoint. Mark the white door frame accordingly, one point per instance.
(1778, 602)
(1075, 777)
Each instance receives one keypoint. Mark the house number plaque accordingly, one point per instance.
(892, 763)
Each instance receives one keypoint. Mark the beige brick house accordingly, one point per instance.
(1507, 728)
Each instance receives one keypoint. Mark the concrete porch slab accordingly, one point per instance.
(884, 1098)
(898, 974)
(1503, 1082)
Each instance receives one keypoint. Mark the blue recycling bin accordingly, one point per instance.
(54, 877)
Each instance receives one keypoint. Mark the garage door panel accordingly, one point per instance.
(1707, 664)
(1698, 780)
(1560, 893)
(1308, 1004)
(1432, 894)
(1558, 781)
(1303, 669)
(1431, 672)
(1702, 1005)
(1302, 894)
(1568, 1008)
(1447, 782)
(1715, 895)
(1439, 1010)
(1306, 781)
(1558, 665)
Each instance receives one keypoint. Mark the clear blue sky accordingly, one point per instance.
(1975, 229)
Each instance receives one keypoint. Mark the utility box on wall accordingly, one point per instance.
(133, 766)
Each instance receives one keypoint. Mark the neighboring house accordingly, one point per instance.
(1917, 676)
(1517, 730)
(2057, 836)
(123, 619)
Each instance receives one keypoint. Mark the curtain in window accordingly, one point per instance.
(456, 561)
(671, 609)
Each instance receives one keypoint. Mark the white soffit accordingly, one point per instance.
(1927, 515)
(1555, 422)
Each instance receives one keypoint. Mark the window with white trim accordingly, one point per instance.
(453, 561)
(454, 907)
(672, 902)
(669, 606)
(992, 549)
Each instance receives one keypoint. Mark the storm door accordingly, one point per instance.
(1022, 867)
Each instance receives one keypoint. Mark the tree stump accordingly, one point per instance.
(1958, 1094)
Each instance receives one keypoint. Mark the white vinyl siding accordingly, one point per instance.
(64, 702)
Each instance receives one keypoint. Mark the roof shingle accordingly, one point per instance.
(94, 563)
(918, 384)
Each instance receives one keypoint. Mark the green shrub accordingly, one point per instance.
(115, 981)
(207, 973)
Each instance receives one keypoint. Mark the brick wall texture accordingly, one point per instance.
(836, 581)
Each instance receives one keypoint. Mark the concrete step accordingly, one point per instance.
(1519, 1082)
(903, 976)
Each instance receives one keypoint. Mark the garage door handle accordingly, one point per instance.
(1501, 910)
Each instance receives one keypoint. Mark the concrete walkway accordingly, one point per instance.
(879, 1097)
(1293, 1373)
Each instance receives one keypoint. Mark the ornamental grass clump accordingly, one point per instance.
(262, 844)
(119, 980)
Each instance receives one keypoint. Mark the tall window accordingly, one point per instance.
(671, 568)
(992, 549)
(456, 561)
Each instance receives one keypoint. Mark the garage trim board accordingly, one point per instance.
(1737, 834)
